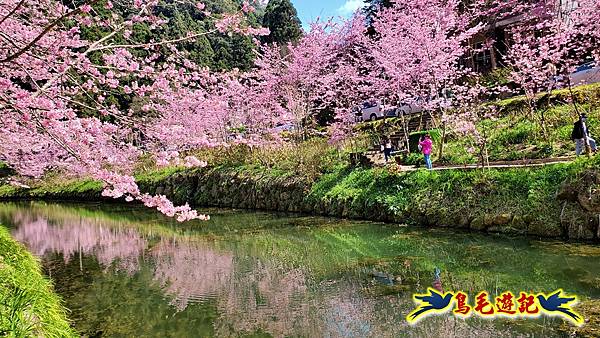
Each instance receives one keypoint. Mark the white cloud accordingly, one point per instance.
(351, 6)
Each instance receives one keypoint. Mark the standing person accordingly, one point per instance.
(387, 149)
(579, 135)
(426, 145)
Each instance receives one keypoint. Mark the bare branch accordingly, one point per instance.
(152, 44)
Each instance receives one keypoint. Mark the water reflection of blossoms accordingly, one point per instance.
(190, 272)
(122, 246)
(251, 294)
(267, 297)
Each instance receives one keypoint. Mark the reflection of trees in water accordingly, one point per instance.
(262, 296)
(251, 294)
(285, 302)
(82, 235)
(190, 272)
(349, 315)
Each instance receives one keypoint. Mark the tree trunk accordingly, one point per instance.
(442, 141)
(588, 149)
(406, 131)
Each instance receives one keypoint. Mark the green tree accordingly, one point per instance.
(282, 20)
(218, 51)
(371, 9)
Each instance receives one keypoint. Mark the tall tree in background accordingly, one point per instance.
(281, 18)
(371, 11)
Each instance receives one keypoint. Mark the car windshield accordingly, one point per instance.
(367, 105)
(584, 66)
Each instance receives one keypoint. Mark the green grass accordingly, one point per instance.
(514, 133)
(453, 197)
(517, 136)
(7, 191)
(581, 94)
(28, 306)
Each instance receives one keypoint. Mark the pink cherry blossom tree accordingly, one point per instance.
(49, 75)
(418, 47)
(320, 72)
(549, 40)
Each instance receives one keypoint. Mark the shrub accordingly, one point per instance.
(522, 132)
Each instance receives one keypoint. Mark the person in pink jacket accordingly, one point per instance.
(426, 144)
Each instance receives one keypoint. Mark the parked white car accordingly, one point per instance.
(281, 127)
(373, 110)
(370, 111)
(409, 108)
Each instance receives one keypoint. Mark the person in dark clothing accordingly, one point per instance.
(387, 149)
(580, 133)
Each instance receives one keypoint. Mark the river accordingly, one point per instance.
(126, 271)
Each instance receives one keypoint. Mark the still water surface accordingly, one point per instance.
(125, 271)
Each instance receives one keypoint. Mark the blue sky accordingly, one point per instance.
(310, 10)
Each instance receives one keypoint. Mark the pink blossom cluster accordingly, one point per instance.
(46, 70)
(164, 205)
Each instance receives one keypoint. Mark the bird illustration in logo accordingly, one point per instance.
(560, 305)
(432, 302)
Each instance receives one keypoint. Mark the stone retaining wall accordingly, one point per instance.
(578, 218)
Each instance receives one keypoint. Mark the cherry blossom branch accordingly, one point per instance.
(153, 44)
(44, 32)
(88, 50)
(12, 11)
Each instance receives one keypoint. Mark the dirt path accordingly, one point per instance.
(499, 164)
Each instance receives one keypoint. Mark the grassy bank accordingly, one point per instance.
(514, 132)
(553, 201)
(28, 306)
(522, 200)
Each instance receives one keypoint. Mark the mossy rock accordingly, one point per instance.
(519, 223)
(582, 229)
(544, 229)
(463, 220)
(481, 223)
(502, 219)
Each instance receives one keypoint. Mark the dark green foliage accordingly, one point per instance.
(5, 170)
(497, 77)
(373, 6)
(371, 10)
(220, 52)
(282, 20)
(414, 138)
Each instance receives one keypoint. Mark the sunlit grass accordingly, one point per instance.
(28, 306)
